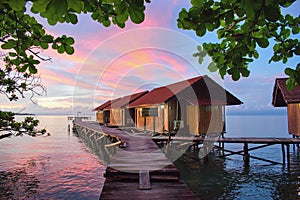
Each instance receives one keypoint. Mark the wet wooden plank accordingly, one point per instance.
(144, 180)
(159, 190)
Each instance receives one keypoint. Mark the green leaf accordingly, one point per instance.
(290, 84)
(245, 72)
(236, 75)
(61, 49)
(288, 71)
(12, 54)
(197, 3)
(73, 18)
(69, 41)
(249, 7)
(209, 26)
(44, 45)
(69, 50)
(23, 68)
(121, 8)
(255, 54)
(32, 69)
(121, 18)
(51, 21)
(106, 23)
(39, 6)
(17, 5)
(16, 62)
(295, 30)
(9, 44)
(75, 5)
(212, 67)
(55, 10)
(262, 42)
(136, 16)
(47, 38)
(272, 13)
(285, 33)
(201, 30)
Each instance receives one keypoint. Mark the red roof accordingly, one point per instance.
(164, 93)
(200, 90)
(281, 96)
(120, 102)
(102, 106)
(125, 101)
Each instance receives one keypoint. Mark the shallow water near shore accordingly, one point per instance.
(61, 167)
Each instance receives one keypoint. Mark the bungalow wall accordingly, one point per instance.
(117, 117)
(99, 117)
(198, 120)
(149, 121)
(203, 120)
(294, 118)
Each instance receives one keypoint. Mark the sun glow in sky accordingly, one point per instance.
(113, 62)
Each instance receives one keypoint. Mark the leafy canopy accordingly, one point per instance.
(242, 27)
(23, 37)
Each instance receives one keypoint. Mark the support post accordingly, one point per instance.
(294, 144)
(288, 156)
(153, 125)
(246, 154)
(205, 153)
(145, 123)
(283, 154)
(223, 144)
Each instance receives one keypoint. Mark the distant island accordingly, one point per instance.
(24, 114)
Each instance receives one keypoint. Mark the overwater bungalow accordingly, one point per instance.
(115, 113)
(290, 99)
(101, 116)
(195, 106)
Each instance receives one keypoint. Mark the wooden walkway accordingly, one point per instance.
(139, 170)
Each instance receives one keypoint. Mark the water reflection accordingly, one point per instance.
(18, 184)
(220, 178)
(55, 167)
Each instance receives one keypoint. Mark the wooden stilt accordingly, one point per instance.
(223, 144)
(294, 144)
(205, 152)
(246, 154)
(283, 154)
(288, 156)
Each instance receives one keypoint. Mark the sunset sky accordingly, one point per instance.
(113, 62)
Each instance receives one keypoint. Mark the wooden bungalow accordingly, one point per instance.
(196, 106)
(115, 112)
(290, 99)
(102, 116)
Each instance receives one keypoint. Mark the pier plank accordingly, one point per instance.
(139, 171)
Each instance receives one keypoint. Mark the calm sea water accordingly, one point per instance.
(55, 167)
(61, 167)
(229, 178)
